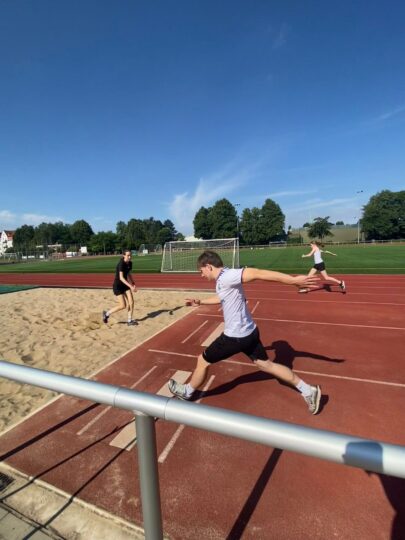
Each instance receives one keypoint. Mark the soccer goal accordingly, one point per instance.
(182, 256)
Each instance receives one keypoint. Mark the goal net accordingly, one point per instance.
(182, 256)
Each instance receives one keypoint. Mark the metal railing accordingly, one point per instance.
(366, 454)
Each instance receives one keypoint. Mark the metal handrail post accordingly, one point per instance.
(149, 476)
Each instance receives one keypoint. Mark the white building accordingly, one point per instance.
(6, 241)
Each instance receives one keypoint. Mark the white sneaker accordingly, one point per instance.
(314, 399)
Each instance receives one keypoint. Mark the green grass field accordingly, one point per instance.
(363, 259)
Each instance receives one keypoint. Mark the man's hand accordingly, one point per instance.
(133, 288)
(193, 302)
(306, 281)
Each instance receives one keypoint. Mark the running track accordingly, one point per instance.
(214, 487)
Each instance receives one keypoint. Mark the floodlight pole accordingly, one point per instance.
(237, 221)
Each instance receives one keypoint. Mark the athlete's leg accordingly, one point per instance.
(130, 303)
(200, 373)
(279, 371)
(122, 304)
(327, 277)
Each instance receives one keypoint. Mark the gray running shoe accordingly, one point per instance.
(178, 389)
(132, 323)
(314, 399)
(343, 286)
(105, 317)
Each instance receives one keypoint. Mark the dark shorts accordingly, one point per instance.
(319, 266)
(225, 346)
(120, 288)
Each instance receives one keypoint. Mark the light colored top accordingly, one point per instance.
(318, 256)
(229, 288)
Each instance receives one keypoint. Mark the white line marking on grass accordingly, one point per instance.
(196, 330)
(126, 438)
(343, 377)
(179, 430)
(102, 413)
(324, 323)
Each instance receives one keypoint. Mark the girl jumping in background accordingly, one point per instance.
(319, 266)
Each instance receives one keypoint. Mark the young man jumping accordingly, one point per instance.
(241, 333)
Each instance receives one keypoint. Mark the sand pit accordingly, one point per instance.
(61, 330)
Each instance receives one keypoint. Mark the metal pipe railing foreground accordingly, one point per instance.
(383, 458)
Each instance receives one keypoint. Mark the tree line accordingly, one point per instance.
(383, 219)
(65, 237)
(255, 226)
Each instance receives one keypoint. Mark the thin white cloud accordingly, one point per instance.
(280, 39)
(184, 206)
(36, 219)
(391, 114)
(290, 193)
(7, 217)
(348, 210)
(13, 220)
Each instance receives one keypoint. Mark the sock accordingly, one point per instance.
(129, 317)
(107, 313)
(189, 390)
(304, 388)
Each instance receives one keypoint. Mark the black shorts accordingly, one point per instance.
(319, 266)
(225, 346)
(120, 288)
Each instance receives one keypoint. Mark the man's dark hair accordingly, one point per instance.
(209, 257)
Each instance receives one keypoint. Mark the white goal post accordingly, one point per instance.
(181, 256)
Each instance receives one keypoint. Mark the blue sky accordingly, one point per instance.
(130, 109)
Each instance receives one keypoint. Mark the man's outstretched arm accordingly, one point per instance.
(251, 274)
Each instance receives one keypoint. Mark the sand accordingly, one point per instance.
(61, 330)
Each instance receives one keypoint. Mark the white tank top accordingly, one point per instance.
(317, 256)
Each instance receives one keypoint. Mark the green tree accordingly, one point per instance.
(222, 218)
(202, 225)
(250, 226)
(135, 234)
(103, 242)
(43, 234)
(384, 216)
(272, 222)
(339, 223)
(164, 235)
(170, 225)
(320, 228)
(23, 239)
(81, 232)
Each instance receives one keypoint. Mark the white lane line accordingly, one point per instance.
(254, 309)
(173, 353)
(323, 323)
(102, 413)
(345, 303)
(355, 379)
(127, 436)
(217, 332)
(179, 430)
(196, 330)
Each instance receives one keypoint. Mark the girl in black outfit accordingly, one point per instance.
(123, 287)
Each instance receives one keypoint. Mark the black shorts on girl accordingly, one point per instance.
(120, 288)
(224, 347)
(319, 266)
